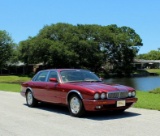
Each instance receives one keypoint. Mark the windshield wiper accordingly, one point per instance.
(83, 81)
(92, 81)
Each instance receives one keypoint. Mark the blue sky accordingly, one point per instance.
(24, 18)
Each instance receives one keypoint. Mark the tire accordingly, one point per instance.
(76, 107)
(31, 101)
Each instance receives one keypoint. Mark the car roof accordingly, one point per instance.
(62, 69)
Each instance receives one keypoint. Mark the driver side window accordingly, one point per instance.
(53, 74)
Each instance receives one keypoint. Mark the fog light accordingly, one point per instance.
(98, 107)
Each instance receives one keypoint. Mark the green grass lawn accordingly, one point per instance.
(148, 100)
(10, 87)
(12, 83)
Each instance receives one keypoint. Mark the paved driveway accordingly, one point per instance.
(16, 119)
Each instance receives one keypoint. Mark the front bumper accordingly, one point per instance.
(95, 105)
(23, 93)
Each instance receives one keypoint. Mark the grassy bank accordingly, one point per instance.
(157, 71)
(14, 79)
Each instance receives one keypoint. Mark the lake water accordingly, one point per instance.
(139, 83)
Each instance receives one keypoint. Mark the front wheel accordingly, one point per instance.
(31, 101)
(76, 107)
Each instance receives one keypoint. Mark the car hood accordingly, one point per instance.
(102, 87)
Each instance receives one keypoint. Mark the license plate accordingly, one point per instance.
(121, 103)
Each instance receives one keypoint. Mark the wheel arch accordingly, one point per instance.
(29, 89)
(73, 92)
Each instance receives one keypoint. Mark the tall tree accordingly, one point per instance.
(63, 45)
(25, 50)
(6, 48)
(152, 55)
(121, 45)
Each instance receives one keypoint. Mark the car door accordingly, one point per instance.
(39, 86)
(52, 89)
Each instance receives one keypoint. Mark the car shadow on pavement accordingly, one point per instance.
(89, 115)
(108, 115)
(60, 109)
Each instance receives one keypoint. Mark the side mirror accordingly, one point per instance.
(53, 80)
(101, 78)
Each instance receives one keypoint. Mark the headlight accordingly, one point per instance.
(129, 94)
(133, 94)
(96, 96)
(103, 96)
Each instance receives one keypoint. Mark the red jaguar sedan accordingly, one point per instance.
(80, 90)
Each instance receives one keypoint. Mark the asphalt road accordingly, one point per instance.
(17, 119)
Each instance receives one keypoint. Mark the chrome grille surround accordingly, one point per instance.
(117, 95)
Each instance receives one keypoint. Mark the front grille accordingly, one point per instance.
(117, 95)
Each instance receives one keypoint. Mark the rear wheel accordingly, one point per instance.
(76, 107)
(31, 101)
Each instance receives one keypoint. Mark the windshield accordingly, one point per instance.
(78, 76)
